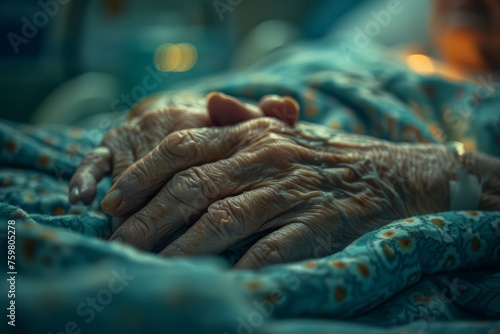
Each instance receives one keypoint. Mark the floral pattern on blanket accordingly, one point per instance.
(432, 273)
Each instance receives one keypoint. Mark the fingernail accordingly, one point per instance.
(112, 201)
(292, 101)
(74, 194)
(212, 94)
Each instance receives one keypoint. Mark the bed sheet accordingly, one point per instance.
(429, 274)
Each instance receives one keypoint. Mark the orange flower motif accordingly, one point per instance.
(58, 211)
(422, 299)
(73, 149)
(75, 133)
(310, 94)
(7, 182)
(44, 161)
(363, 270)
(335, 125)
(412, 132)
(437, 132)
(476, 244)
(340, 294)
(358, 128)
(30, 198)
(409, 220)
(253, 285)
(311, 110)
(10, 146)
(388, 234)
(388, 251)
(405, 243)
(413, 277)
(437, 222)
(450, 261)
(391, 124)
(272, 298)
(311, 264)
(339, 264)
(469, 145)
(48, 235)
(49, 140)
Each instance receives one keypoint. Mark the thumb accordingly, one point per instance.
(284, 108)
(227, 110)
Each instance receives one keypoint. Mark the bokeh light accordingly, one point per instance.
(175, 57)
(420, 64)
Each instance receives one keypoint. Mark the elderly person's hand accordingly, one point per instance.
(154, 118)
(300, 187)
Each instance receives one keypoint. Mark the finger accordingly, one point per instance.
(146, 176)
(284, 108)
(83, 184)
(179, 151)
(116, 222)
(190, 192)
(111, 155)
(227, 110)
(187, 195)
(293, 242)
(123, 154)
(231, 220)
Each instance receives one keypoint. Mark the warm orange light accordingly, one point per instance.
(175, 57)
(420, 64)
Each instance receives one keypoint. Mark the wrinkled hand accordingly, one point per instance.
(152, 120)
(303, 187)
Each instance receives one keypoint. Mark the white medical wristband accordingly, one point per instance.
(465, 191)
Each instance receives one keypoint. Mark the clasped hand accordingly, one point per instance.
(204, 189)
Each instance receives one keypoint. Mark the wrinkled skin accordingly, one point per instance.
(154, 118)
(306, 191)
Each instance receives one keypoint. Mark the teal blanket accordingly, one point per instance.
(437, 273)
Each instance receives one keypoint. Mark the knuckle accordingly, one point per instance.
(138, 172)
(268, 252)
(204, 183)
(226, 218)
(193, 187)
(183, 182)
(281, 197)
(276, 152)
(139, 227)
(177, 190)
(262, 125)
(181, 144)
(350, 175)
(304, 177)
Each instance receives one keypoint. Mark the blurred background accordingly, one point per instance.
(64, 60)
